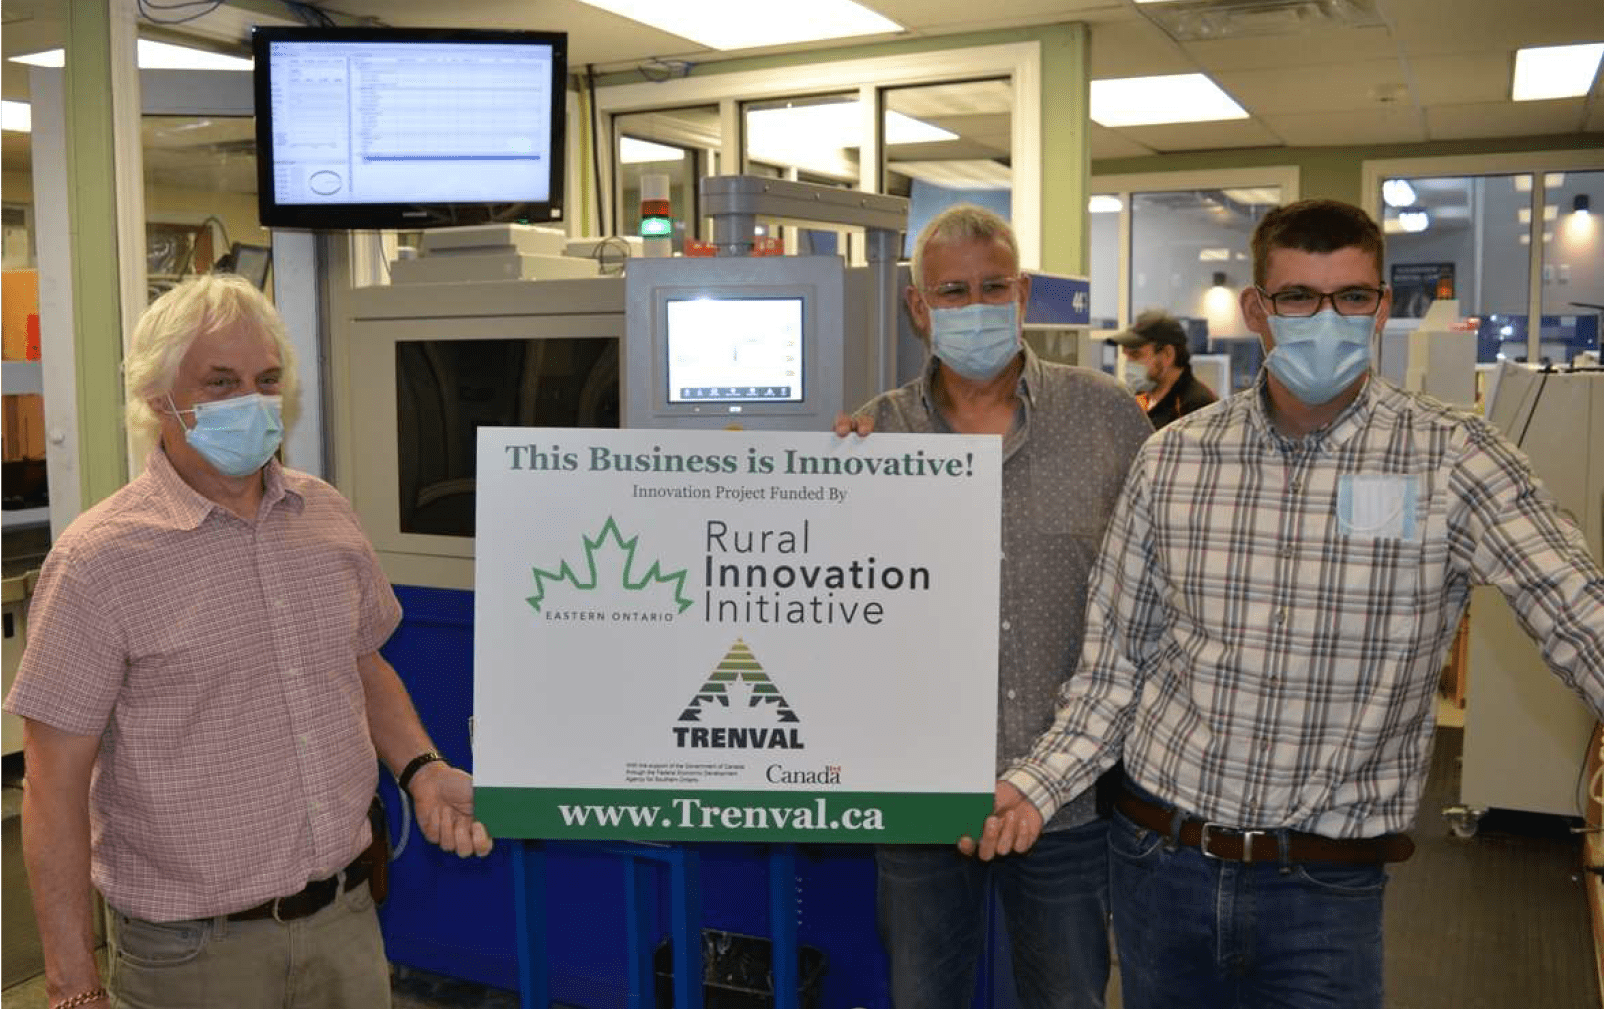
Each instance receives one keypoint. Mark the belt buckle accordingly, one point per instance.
(1247, 840)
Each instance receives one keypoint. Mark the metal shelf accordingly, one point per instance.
(20, 518)
(21, 377)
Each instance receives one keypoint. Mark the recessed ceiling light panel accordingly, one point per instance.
(741, 24)
(1171, 98)
(1545, 72)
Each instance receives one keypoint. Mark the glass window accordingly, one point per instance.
(1190, 256)
(1573, 264)
(682, 144)
(200, 199)
(1462, 237)
(1103, 212)
(819, 136)
(949, 143)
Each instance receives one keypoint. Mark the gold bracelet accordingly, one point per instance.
(82, 998)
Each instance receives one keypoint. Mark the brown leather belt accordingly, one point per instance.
(1238, 845)
(312, 898)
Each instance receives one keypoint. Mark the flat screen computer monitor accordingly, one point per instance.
(761, 342)
(734, 349)
(408, 128)
(252, 262)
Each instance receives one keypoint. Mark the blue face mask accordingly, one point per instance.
(236, 436)
(977, 341)
(1318, 356)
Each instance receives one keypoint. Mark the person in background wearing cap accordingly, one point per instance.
(1166, 387)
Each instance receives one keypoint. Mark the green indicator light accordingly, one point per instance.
(656, 227)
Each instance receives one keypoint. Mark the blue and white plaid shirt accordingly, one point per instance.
(1268, 616)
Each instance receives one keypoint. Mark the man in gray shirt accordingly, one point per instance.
(1068, 436)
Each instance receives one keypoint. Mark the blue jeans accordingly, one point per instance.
(1205, 933)
(932, 912)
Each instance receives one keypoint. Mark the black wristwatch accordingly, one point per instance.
(415, 765)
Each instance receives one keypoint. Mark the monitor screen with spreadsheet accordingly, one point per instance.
(408, 128)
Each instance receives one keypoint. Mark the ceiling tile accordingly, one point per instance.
(1337, 88)
(1430, 26)
(1463, 78)
(1110, 143)
(1203, 136)
(1394, 124)
(1135, 48)
(1294, 52)
(1504, 119)
(1595, 117)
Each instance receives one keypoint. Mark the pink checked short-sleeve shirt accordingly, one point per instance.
(217, 661)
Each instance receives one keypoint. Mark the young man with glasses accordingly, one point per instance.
(1281, 580)
(1068, 435)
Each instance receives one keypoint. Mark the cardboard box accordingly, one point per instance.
(19, 298)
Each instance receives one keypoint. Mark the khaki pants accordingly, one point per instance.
(331, 960)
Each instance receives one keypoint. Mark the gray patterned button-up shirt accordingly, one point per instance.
(1063, 465)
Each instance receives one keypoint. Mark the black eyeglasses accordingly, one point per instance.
(1301, 302)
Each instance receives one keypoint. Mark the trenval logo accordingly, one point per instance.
(612, 566)
(717, 698)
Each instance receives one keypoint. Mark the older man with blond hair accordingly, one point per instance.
(204, 699)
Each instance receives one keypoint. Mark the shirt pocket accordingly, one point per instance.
(1379, 507)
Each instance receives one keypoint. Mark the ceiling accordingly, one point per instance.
(1379, 72)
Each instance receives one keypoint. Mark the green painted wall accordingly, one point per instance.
(1337, 172)
(1065, 148)
(96, 284)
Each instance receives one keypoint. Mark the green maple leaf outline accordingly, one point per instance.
(654, 574)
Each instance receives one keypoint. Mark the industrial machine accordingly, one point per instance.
(1526, 733)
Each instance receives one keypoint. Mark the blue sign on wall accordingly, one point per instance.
(1057, 300)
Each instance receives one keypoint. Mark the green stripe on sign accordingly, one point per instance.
(649, 814)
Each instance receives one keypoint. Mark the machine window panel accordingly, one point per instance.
(447, 389)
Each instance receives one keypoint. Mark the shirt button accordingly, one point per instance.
(1005, 625)
(1264, 744)
(1280, 616)
(1297, 485)
(1286, 551)
(1010, 695)
(279, 604)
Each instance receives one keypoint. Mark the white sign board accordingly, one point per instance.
(731, 635)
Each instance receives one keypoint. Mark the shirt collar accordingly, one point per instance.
(1030, 380)
(1335, 434)
(188, 508)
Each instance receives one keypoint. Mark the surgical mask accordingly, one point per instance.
(976, 341)
(236, 436)
(1318, 356)
(1140, 381)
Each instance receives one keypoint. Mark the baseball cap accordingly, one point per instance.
(1158, 328)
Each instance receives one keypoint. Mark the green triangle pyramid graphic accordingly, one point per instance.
(738, 665)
